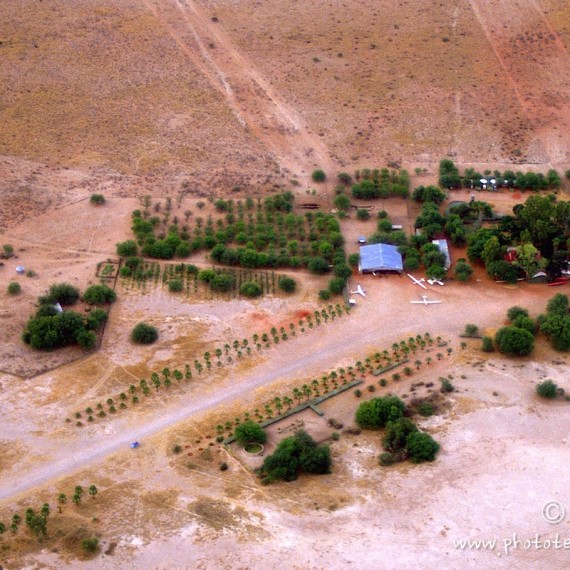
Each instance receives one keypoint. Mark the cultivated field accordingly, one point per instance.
(188, 100)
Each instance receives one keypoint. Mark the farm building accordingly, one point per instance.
(380, 257)
(444, 248)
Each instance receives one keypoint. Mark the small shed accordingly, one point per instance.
(380, 257)
(444, 248)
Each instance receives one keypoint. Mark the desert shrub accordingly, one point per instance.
(446, 385)
(421, 447)
(362, 214)
(250, 432)
(335, 436)
(471, 329)
(144, 333)
(488, 345)
(463, 271)
(428, 194)
(336, 285)
(90, 545)
(318, 265)
(14, 288)
(513, 341)
(294, 455)
(176, 448)
(127, 248)
(377, 412)
(318, 175)
(51, 331)
(97, 199)
(547, 389)
(426, 409)
(62, 293)
(287, 284)
(515, 312)
(86, 339)
(324, 294)
(223, 282)
(397, 433)
(175, 285)
(341, 202)
(96, 318)
(99, 294)
(386, 459)
(250, 289)
(525, 323)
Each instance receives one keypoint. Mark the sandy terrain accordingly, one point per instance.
(191, 99)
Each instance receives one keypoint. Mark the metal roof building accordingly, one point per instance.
(380, 257)
(444, 248)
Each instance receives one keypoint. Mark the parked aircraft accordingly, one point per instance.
(419, 282)
(425, 301)
(359, 291)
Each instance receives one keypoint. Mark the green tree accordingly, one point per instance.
(556, 327)
(515, 312)
(14, 288)
(558, 305)
(375, 413)
(144, 333)
(250, 432)
(342, 202)
(513, 341)
(421, 447)
(61, 501)
(318, 175)
(127, 248)
(37, 524)
(397, 433)
(90, 545)
(492, 251)
(488, 345)
(97, 199)
(287, 284)
(362, 214)
(463, 271)
(92, 491)
(175, 285)
(471, 329)
(547, 389)
(95, 319)
(62, 293)
(99, 295)
(250, 289)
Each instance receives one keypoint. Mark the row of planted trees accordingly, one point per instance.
(219, 357)
(279, 405)
(37, 521)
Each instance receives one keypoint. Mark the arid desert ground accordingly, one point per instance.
(190, 100)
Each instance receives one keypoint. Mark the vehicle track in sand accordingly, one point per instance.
(534, 59)
(254, 102)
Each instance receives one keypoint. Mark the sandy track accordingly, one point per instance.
(256, 104)
(374, 325)
(533, 58)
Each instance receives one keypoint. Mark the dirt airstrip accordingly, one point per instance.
(188, 100)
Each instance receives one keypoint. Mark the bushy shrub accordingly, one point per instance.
(318, 175)
(144, 333)
(127, 248)
(99, 294)
(250, 289)
(96, 318)
(175, 285)
(297, 454)
(62, 293)
(14, 288)
(377, 412)
(386, 459)
(514, 341)
(488, 344)
(250, 432)
(547, 389)
(515, 312)
(324, 294)
(287, 284)
(97, 199)
(426, 409)
(421, 447)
